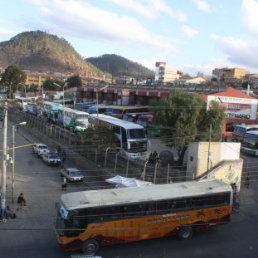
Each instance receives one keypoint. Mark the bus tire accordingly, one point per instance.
(185, 233)
(90, 247)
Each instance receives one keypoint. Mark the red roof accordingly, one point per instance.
(232, 92)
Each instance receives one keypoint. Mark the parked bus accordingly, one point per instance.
(131, 136)
(240, 130)
(120, 111)
(146, 122)
(69, 118)
(250, 143)
(51, 109)
(90, 219)
(132, 117)
(103, 109)
(22, 102)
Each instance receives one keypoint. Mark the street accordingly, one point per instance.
(31, 234)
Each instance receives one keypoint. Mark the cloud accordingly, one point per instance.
(202, 5)
(214, 36)
(242, 52)
(76, 18)
(249, 10)
(188, 31)
(151, 9)
(149, 63)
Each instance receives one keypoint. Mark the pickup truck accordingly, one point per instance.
(40, 149)
(72, 174)
(51, 159)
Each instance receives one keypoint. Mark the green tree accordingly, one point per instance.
(183, 119)
(33, 88)
(244, 85)
(11, 77)
(74, 81)
(49, 84)
(98, 137)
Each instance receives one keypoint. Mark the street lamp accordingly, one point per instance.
(25, 88)
(65, 85)
(97, 99)
(13, 131)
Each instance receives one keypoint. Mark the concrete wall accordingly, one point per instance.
(197, 162)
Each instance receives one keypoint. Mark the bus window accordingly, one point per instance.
(124, 139)
(136, 134)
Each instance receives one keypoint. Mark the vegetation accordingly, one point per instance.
(74, 81)
(49, 84)
(11, 78)
(43, 52)
(184, 119)
(120, 66)
(244, 85)
(98, 137)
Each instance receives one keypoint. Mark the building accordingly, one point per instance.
(219, 160)
(229, 74)
(196, 80)
(165, 74)
(240, 107)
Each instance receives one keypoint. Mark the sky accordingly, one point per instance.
(189, 35)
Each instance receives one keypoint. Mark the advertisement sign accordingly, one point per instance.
(238, 108)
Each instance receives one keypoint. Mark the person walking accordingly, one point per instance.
(21, 200)
(64, 185)
(247, 180)
(63, 156)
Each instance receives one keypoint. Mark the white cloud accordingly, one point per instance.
(202, 5)
(151, 8)
(242, 52)
(79, 19)
(188, 31)
(249, 10)
(214, 36)
(149, 63)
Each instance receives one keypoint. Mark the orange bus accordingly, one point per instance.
(90, 219)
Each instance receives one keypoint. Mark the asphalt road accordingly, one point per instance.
(31, 234)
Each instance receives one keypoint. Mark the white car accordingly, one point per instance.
(51, 159)
(72, 174)
(40, 149)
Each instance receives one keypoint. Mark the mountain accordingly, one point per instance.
(120, 66)
(39, 51)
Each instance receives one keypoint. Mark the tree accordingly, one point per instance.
(11, 77)
(74, 81)
(183, 119)
(244, 85)
(49, 84)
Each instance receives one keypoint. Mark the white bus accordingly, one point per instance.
(73, 119)
(131, 136)
(23, 102)
(250, 143)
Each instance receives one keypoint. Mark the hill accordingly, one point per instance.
(42, 52)
(120, 66)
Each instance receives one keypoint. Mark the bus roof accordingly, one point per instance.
(117, 121)
(252, 132)
(247, 126)
(129, 107)
(108, 197)
(75, 111)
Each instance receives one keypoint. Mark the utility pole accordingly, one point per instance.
(4, 159)
(13, 131)
(209, 150)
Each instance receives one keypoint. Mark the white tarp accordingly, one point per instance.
(120, 181)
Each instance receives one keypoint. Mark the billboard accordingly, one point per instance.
(238, 108)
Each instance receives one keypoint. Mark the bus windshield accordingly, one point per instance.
(250, 141)
(136, 134)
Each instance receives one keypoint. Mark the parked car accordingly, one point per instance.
(72, 174)
(51, 159)
(40, 149)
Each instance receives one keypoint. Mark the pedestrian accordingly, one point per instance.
(63, 156)
(247, 180)
(64, 185)
(21, 200)
(59, 150)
